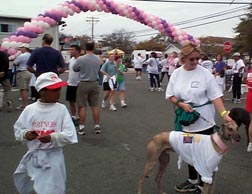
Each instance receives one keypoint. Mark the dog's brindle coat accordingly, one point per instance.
(159, 147)
(241, 116)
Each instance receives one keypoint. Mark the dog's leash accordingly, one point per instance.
(216, 127)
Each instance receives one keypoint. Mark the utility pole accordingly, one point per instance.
(92, 20)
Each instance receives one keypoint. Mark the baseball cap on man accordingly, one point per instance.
(49, 80)
(236, 54)
(24, 45)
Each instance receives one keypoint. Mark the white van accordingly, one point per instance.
(145, 54)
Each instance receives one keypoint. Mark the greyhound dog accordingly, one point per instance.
(241, 116)
(213, 146)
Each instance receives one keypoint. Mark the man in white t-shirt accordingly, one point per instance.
(138, 65)
(73, 81)
(237, 79)
(22, 74)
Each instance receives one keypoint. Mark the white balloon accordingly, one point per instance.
(27, 24)
(5, 45)
(14, 44)
(34, 23)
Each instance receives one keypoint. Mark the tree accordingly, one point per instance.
(120, 39)
(243, 40)
(157, 43)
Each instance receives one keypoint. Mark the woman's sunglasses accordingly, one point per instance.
(194, 58)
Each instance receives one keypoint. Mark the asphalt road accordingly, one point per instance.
(112, 162)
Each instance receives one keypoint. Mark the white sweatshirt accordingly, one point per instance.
(42, 168)
(198, 151)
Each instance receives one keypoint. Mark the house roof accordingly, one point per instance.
(15, 17)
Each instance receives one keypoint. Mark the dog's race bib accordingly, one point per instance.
(190, 138)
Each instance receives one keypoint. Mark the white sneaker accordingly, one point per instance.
(152, 89)
(249, 149)
(112, 107)
(160, 90)
(103, 104)
(97, 129)
(81, 131)
(123, 104)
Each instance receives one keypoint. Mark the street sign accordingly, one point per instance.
(227, 46)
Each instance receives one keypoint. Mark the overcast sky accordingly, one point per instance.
(108, 23)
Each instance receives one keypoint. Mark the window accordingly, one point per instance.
(7, 28)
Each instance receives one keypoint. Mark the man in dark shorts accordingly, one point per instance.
(73, 81)
(138, 65)
(88, 89)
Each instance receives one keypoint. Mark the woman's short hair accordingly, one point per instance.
(153, 54)
(187, 49)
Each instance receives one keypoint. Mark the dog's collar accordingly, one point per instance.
(222, 146)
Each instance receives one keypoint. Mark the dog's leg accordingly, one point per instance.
(209, 188)
(150, 163)
(164, 159)
(154, 149)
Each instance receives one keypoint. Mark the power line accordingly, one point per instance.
(210, 16)
(202, 24)
(199, 2)
(220, 20)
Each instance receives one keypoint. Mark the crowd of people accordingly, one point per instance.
(46, 125)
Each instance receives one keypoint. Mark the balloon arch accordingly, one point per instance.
(51, 17)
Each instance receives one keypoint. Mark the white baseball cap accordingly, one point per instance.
(49, 80)
(24, 45)
(236, 54)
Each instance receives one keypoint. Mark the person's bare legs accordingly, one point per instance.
(96, 115)
(24, 95)
(249, 149)
(72, 108)
(82, 115)
(82, 121)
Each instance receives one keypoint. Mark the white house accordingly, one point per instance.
(173, 47)
(10, 23)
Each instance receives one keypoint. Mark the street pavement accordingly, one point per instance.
(112, 162)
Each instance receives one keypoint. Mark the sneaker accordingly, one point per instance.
(238, 101)
(97, 129)
(81, 131)
(20, 108)
(152, 89)
(249, 149)
(186, 187)
(123, 104)
(234, 101)
(198, 191)
(160, 90)
(112, 107)
(9, 105)
(103, 104)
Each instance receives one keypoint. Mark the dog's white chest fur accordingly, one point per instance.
(198, 151)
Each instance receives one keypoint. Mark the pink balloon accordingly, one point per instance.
(74, 8)
(6, 39)
(20, 38)
(26, 39)
(11, 51)
(13, 38)
(20, 29)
